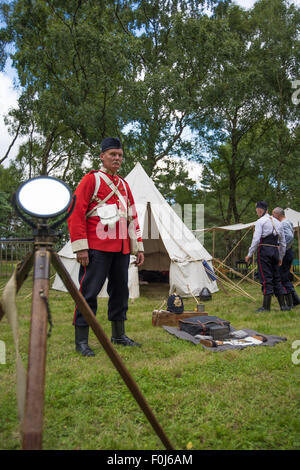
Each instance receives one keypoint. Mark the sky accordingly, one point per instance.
(9, 97)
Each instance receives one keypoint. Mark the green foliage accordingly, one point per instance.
(249, 137)
(10, 223)
(170, 81)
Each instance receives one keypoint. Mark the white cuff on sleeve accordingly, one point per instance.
(78, 245)
(141, 246)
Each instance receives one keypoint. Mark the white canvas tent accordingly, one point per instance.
(169, 244)
(293, 216)
(69, 260)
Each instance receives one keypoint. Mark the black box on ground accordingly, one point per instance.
(206, 325)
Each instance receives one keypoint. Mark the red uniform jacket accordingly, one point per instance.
(89, 232)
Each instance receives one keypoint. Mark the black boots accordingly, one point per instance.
(266, 306)
(118, 334)
(81, 341)
(289, 301)
(296, 300)
(281, 300)
(118, 337)
(286, 302)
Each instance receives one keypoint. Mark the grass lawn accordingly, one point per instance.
(243, 399)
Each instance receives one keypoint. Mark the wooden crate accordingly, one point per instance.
(163, 317)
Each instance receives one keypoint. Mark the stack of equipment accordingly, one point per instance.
(211, 326)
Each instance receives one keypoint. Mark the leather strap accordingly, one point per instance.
(115, 190)
(202, 324)
(266, 244)
(274, 228)
(8, 302)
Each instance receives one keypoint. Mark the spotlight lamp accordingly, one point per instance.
(43, 197)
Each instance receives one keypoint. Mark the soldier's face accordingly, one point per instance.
(259, 211)
(112, 159)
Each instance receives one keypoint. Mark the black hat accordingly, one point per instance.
(175, 304)
(110, 143)
(262, 205)
(205, 294)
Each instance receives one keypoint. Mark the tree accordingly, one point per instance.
(71, 61)
(90, 69)
(244, 98)
(10, 223)
(158, 107)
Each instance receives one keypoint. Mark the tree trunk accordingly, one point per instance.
(47, 149)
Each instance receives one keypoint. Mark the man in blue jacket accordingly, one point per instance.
(284, 269)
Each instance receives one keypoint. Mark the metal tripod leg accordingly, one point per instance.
(109, 349)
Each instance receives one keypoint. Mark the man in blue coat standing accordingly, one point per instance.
(284, 269)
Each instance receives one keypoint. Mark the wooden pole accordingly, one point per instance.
(234, 248)
(245, 278)
(213, 250)
(149, 221)
(253, 260)
(23, 269)
(231, 284)
(298, 230)
(34, 407)
(236, 272)
(109, 349)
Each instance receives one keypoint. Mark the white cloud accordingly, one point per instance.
(8, 100)
(245, 3)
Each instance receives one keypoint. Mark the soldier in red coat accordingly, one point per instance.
(99, 226)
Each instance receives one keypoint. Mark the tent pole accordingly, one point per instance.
(253, 261)
(236, 246)
(213, 248)
(236, 272)
(298, 233)
(231, 284)
(149, 220)
(246, 276)
(298, 243)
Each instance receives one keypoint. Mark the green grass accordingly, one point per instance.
(241, 399)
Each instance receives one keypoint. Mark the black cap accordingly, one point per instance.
(110, 143)
(262, 205)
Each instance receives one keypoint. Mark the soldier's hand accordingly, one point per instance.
(280, 262)
(247, 259)
(139, 258)
(83, 257)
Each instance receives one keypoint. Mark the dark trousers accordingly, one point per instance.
(284, 271)
(268, 269)
(102, 265)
